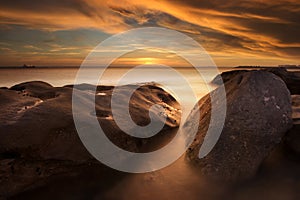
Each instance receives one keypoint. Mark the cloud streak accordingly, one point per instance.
(229, 30)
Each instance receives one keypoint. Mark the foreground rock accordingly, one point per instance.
(292, 140)
(291, 79)
(38, 139)
(258, 115)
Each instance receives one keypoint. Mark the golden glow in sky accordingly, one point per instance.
(60, 33)
(147, 61)
(150, 57)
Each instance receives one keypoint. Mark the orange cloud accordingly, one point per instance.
(64, 15)
(247, 30)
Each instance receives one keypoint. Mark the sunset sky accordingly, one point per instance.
(63, 32)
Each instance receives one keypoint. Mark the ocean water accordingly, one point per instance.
(60, 76)
(199, 82)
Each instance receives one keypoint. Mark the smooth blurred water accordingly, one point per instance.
(64, 76)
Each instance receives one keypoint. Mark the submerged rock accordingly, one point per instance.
(258, 115)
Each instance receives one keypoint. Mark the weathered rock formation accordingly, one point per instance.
(38, 139)
(258, 115)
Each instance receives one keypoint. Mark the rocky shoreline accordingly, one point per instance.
(39, 144)
(39, 138)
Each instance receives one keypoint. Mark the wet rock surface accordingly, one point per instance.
(38, 137)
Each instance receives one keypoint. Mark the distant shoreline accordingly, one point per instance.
(77, 67)
(262, 67)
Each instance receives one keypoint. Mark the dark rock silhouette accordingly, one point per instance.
(258, 115)
(292, 140)
(291, 79)
(28, 66)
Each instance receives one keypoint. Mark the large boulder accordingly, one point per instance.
(291, 79)
(35, 125)
(38, 138)
(258, 115)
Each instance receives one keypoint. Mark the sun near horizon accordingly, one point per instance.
(49, 33)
